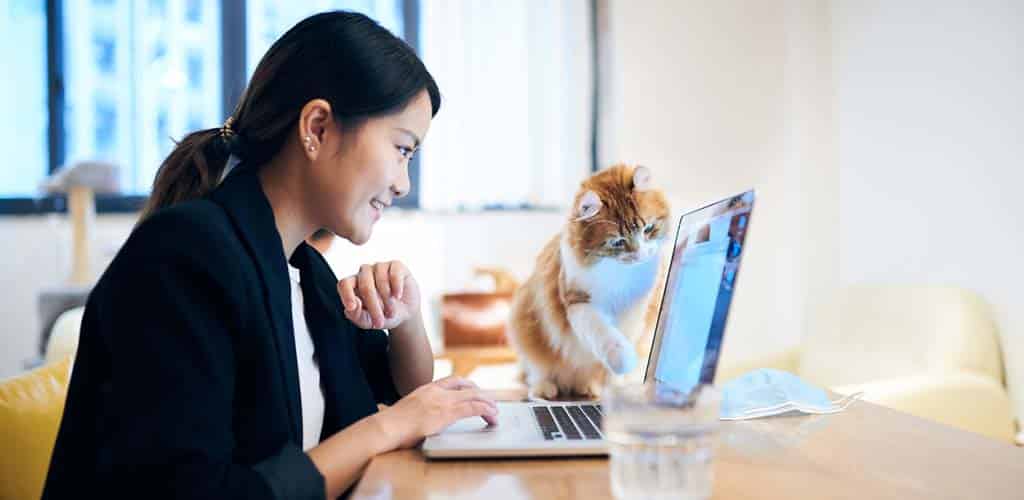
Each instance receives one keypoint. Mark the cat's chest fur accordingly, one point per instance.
(613, 286)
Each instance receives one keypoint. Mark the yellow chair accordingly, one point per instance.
(928, 351)
(31, 405)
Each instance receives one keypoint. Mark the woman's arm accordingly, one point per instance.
(410, 356)
(386, 296)
(342, 457)
(431, 407)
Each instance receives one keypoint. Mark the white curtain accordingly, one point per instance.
(516, 85)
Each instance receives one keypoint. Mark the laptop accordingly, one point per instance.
(684, 351)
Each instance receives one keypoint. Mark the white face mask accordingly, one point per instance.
(766, 392)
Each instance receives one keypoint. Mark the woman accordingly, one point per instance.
(216, 359)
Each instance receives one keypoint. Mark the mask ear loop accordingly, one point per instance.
(845, 402)
(837, 406)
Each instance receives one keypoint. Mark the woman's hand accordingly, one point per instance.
(380, 296)
(431, 408)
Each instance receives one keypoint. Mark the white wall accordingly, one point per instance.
(35, 252)
(931, 141)
(719, 97)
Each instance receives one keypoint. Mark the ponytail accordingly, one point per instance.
(189, 172)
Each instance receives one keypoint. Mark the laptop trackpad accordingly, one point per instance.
(512, 421)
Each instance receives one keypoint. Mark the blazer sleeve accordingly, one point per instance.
(173, 313)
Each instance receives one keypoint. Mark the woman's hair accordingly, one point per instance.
(345, 58)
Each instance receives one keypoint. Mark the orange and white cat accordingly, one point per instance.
(592, 298)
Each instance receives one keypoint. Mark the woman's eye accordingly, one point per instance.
(406, 152)
(617, 243)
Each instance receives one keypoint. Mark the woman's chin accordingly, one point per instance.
(357, 234)
(362, 233)
(360, 237)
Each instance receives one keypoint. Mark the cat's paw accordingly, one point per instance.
(621, 357)
(590, 390)
(544, 389)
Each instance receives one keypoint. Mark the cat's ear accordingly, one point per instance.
(588, 206)
(641, 178)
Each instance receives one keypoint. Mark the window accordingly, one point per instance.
(124, 79)
(130, 77)
(23, 124)
(267, 20)
(515, 126)
(150, 75)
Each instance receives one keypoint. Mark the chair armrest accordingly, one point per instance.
(786, 360)
(964, 400)
(63, 339)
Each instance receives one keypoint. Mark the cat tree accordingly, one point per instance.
(81, 182)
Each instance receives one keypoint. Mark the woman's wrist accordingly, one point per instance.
(412, 325)
(383, 435)
(342, 457)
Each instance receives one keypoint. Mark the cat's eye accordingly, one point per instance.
(617, 243)
(649, 228)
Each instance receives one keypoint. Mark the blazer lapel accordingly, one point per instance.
(345, 400)
(242, 197)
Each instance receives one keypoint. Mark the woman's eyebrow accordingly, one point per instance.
(415, 139)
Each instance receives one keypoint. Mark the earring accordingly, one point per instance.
(309, 143)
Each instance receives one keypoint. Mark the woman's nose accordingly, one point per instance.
(402, 185)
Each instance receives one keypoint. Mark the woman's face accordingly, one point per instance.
(367, 168)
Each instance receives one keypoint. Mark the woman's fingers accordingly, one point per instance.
(372, 298)
(476, 396)
(368, 293)
(352, 304)
(381, 277)
(456, 382)
(476, 408)
(397, 274)
(464, 391)
(347, 292)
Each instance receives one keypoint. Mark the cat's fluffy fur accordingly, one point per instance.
(594, 293)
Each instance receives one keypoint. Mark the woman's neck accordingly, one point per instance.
(283, 190)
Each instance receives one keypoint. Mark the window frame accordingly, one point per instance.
(233, 81)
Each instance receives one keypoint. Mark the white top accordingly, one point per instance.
(309, 372)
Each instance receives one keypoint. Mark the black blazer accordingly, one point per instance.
(185, 384)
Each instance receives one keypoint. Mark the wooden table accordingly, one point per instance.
(465, 359)
(866, 452)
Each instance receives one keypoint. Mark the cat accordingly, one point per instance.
(591, 299)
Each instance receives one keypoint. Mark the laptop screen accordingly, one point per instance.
(698, 291)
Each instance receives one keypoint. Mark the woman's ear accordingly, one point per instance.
(314, 121)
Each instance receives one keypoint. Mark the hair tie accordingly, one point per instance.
(231, 141)
(226, 132)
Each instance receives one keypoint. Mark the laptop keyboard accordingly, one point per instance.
(572, 422)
